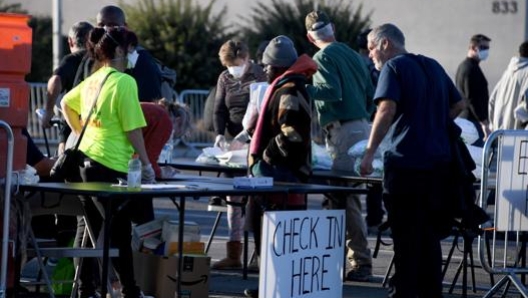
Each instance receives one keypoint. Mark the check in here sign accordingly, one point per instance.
(302, 254)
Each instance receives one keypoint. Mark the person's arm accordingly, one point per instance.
(382, 122)
(456, 109)
(289, 115)
(54, 88)
(72, 118)
(327, 84)
(136, 139)
(220, 107)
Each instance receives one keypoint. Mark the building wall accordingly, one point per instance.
(440, 29)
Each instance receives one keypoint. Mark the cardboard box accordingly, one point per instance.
(191, 231)
(252, 182)
(157, 275)
(193, 248)
(146, 230)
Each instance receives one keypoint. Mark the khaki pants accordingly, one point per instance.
(339, 138)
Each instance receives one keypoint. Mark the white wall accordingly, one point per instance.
(438, 28)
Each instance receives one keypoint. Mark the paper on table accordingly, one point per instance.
(164, 186)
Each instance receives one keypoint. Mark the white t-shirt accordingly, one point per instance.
(256, 97)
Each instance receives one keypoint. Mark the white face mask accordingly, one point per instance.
(483, 54)
(132, 59)
(236, 71)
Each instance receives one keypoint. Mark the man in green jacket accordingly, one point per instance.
(342, 91)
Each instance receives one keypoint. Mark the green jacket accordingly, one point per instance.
(342, 89)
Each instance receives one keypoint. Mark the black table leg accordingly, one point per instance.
(180, 246)
(106, 248)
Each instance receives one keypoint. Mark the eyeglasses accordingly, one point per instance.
(483, 47)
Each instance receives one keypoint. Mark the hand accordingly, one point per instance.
(242, 137)
(220, 142)
(168, 172)
(486, 130)
(46, 118)
(148, 175)
(366, 167)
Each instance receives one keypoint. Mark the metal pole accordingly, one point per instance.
(57, 32)
(7, 206)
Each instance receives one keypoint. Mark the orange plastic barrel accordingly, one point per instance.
(15, 63)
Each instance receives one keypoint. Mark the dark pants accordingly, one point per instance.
(374, 200)
(120, 231)
(415, 202)
(257, 205)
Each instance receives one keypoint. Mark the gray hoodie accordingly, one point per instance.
(510, 91)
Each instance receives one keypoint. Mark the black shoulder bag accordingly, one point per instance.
(67, 166)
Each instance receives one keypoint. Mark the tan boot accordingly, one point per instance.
(232, 261)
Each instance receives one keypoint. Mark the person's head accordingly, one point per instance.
(279, 55)
(319, 28)
(260, 51)
(78, 35)
(479, 45)
(385, 42)
(111, 16)
(110, 46)
(234, 54)
(362, 42)
(180, 116)
(523, 49)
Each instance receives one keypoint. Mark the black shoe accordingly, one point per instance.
(360, 273)
(251, 293)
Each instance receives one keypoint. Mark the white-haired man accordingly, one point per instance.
(417, 100)
(342, 91)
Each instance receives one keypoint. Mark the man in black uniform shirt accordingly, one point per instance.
(473, 86)
(142, 67)
(64, 77)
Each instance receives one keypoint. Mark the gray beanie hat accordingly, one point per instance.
(280, 52)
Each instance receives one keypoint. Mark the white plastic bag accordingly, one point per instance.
(321, 160)
(469, 130)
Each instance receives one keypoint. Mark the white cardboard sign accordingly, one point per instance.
(512, 184)
(302, 254)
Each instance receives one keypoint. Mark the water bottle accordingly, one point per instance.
(134, 173)
(166, 153)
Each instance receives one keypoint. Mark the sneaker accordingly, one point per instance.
(360, 273)
(251, 293)
(217, 204)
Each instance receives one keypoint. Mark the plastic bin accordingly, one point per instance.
(15, 63)
(15, 44)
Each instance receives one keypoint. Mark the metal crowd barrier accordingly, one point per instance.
(194, 98)
(7, 206)
(37, 99)
(502, 247)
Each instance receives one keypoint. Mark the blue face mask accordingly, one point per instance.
(483, 54)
